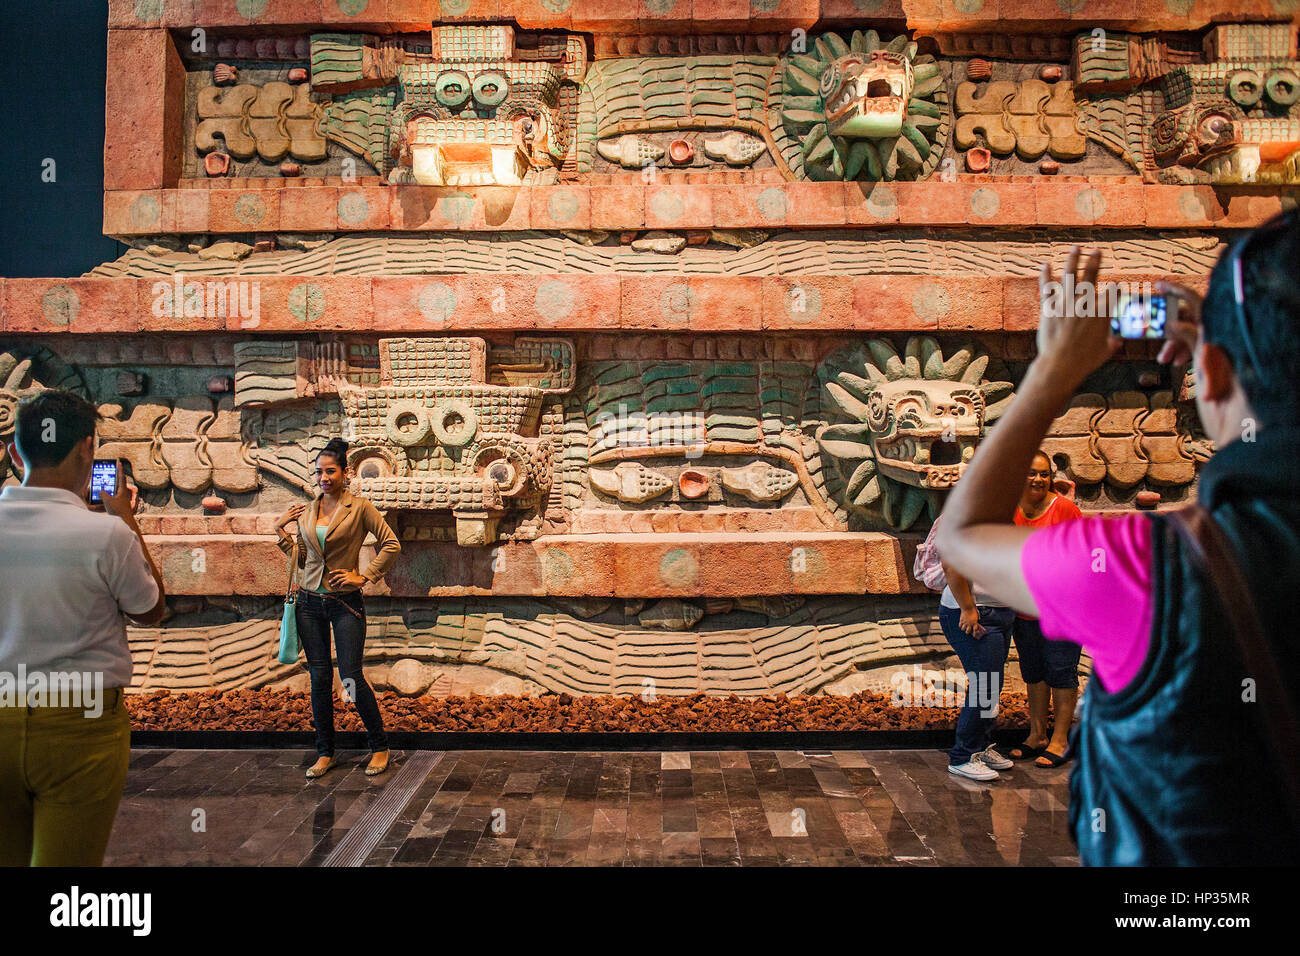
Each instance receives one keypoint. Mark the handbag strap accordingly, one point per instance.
(293, 571)
(1212, 552)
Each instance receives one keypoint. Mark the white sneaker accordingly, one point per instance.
(995, 760)
(974, 768)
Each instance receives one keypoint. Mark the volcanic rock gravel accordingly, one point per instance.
(278, 710)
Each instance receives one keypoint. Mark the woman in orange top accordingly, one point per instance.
(1049, 668)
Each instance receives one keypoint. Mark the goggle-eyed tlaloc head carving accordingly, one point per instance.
(866, 94)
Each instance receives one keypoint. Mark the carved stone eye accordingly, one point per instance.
(830, 80)
(1283, 87)
(452, 89)
(1245, 87)
(491, 88)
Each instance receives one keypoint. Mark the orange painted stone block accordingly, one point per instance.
(309, 208)
(567, 301)
(440, 303)
(617, 207)
(969, 14)
(69, 305)
(309, 303)
(886, 565)
(538, 14)
(362, 208)
(132, 212)
(144, 101)
(567, 565)
(677, 207)
(242, 210)
(445, 207)
(870, 204)
(912, 302)
(933, 203)
(807, 302)
(965, 304)
(1243, 209)
(687, 302)
(192, 210)
(721, 15)
(654, 565)
(782, 15)
(1090, 203)
(767, 565)
(1021, 303)
(854, 9)
(1002, 204)
(559, 207)
(1182, 207)
(726, 303)
(181, 303)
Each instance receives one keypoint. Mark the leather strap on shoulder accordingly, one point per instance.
(1212, 552)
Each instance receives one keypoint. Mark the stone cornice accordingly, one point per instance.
(553, 302)
(241, 207)
(626, 17)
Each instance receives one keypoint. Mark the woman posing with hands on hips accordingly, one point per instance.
(330, 533)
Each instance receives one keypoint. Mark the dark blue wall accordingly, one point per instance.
(54, 52)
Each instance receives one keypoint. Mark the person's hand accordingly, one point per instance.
(1073, 341)
(970, 622)
(293, 514)
(1184, 333)
(345, 580)
(122, 503)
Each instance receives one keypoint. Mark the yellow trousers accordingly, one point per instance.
(61, 779)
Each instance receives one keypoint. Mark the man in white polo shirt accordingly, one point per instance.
(68, 575)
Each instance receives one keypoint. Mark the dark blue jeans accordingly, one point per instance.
(983, 659)
(317, 615)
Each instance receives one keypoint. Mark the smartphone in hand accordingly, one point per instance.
(1143, 316)
(105, 475)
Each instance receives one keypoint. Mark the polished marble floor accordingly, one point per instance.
(524, 808)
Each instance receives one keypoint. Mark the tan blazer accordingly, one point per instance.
(352, 519)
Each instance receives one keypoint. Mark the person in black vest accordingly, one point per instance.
(1178, 761)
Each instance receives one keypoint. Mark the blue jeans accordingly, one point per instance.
(346, 615)
(983, 659)
(1054, 662)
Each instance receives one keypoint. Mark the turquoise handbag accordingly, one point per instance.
(289, 645)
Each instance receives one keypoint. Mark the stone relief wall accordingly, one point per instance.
(657, 344)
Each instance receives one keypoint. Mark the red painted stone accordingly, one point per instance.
(216, 164)
(978, 159)
(298, 75)
(681, 152)
(1050, 73)
(223, 74)
(1049, 167)
(693, 484)
(213, 504)
(978, 69)
(1147, 499)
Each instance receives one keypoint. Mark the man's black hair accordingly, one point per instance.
(50, 423)
(1270, 260)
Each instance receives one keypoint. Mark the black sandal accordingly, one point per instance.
(1026, 752)
(1054, 760)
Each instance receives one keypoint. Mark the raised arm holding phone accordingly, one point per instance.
(1179, 760)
